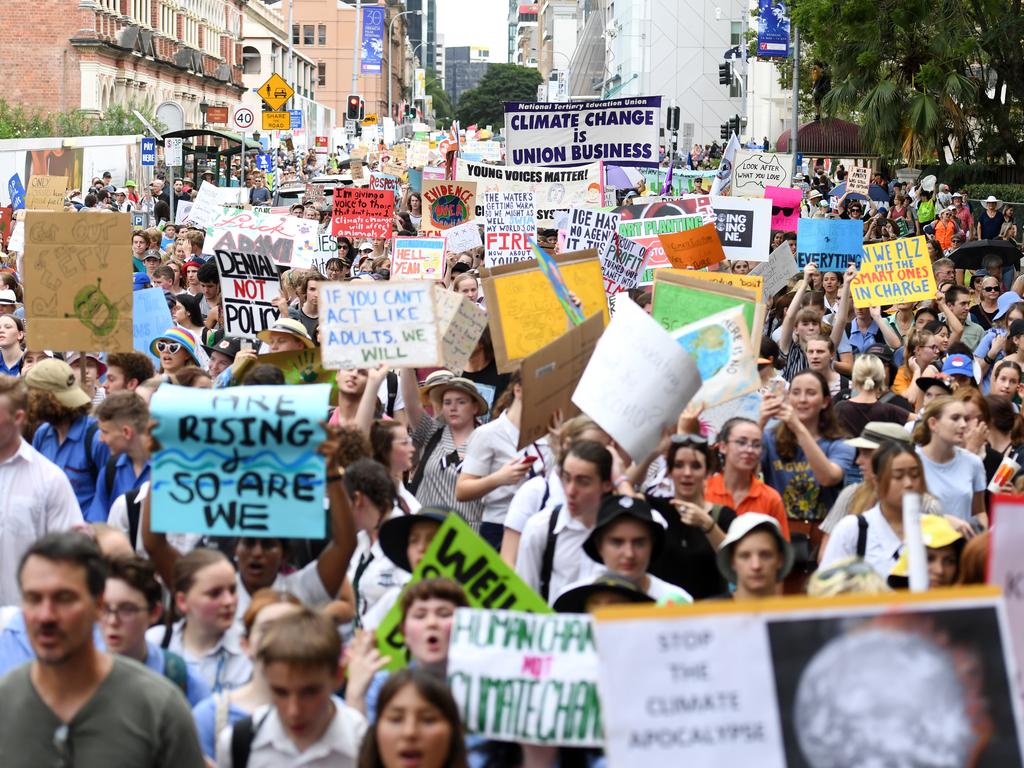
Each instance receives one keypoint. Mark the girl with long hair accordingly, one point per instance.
(921, 354)
(865, 405)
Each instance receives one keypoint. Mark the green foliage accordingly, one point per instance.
(443, 109)
(502, 82)
(19, 123)
(1010, 193)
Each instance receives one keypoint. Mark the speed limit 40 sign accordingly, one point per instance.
(243, 119)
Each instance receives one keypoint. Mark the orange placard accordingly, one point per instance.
(694, 248)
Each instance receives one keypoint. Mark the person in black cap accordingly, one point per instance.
(626, 539)
(609, 589)
(222, 355)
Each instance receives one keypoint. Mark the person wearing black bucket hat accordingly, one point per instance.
(222, 355)
(627, 537)
(609, 589)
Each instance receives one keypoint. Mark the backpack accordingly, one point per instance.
(134, 508)
(176, 670)
(242, 736)
(392, 380)
(547, 563)
(428, 449)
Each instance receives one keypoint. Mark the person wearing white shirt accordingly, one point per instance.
(37, 497)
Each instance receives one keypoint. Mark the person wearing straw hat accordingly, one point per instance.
(989, 220)
(755, 556)
(286, 335)
(176, 348)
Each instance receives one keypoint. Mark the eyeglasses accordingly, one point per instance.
(168, 346)
(776, 210)
(933, 347)
(747, 445)
(689, 440)
(62, 743)
(125, 612)
(990, 288)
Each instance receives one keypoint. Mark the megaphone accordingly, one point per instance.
(928, 183)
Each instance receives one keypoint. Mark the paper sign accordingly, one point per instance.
(695, 249)
(364, 323)
(447, 204)
(16, 192)
(623, 269)
(16, 242)
(554, 189)
(894, 272)
(248, 286)
(755, 170)
(45, 193)
(550, 375)
(777, 271)
(542, 664)
(287, 240)
(511, 222)
(721, 348)
(303, 366)
(1005, 568)
(744, 227)
(461, 324)
(647, 231)
(78, 283)
(549, 267)
(749, 282)
(637, 382)
(680, 299)
(852, 680)
(387, 181)
(417, 258)
(785, 207)
(150, 317)
(239, 462)
(524, 313)
(462, 238)
(362, 213)
(832, 244)
(457, 553)
(858, 180)
(182, 210)
(207, 205)
(588, 228)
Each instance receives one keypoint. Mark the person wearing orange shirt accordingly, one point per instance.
(945, 228)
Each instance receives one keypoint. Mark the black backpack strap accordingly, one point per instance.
(134, 509)
(90, 439)
(111, 470)
(242, 735)
(428, 449)
(862, 535)
(547, 563)
(392, 380)
(546, 496)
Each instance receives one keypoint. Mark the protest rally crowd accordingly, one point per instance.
(162, 607)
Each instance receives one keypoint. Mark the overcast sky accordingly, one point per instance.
(482, 23)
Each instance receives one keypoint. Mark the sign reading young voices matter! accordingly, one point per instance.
(366, 323)
(239, 462)
(363, 212)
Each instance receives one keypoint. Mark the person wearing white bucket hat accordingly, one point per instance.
(989, 220)
(755, 556)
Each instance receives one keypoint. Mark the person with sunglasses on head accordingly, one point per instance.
(921, 360)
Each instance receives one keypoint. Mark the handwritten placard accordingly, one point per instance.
(417, 258)
(239, 462)
(753, 283)
(362, 212)
(624, 266)
(720, 346)
(464, 237)
(755, 170)
(248, 285)
(287, 240)
(693, 249)
(447, 204)
(777, 271)
(894, 272)
(365, 323)
(858, 181)
(832, 244)
(461, 324)
(387, 181)
(785, 207)
(207, 205)
(45, 193)
(78, 287)
(511, 222)
(592, 229)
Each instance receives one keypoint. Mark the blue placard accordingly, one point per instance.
(832, 244)
(149, 151)
(241, 461)
(16, 191)
(265, 162)
(772, 29)
(150, 318)
(296, 118)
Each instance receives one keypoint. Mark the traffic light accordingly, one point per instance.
(672, 119)
(734, 124)
(725, 74)
(724, 133)
(355, 107)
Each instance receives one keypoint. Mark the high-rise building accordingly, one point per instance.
(522, 33)
(439, 60)
(555, 35)
(464, 69)
(423, 31)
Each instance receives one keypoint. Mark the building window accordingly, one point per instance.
(736, 33)
(321, 34)
(295, 34)
(251, 60)
(321, 74)
(307, 34)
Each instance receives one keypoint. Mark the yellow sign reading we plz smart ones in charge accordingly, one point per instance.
(894, 272)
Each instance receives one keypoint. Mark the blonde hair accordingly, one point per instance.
(868, 374)
(934, 409)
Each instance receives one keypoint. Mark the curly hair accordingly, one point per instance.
(45, 407)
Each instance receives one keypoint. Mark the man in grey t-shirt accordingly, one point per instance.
(76, 705)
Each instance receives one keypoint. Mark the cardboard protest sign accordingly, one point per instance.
(1005, 568)
(749, 282)
(464, 237)
(588, 228)
(447, 204)
(418, 154)
(637, 382)
(457, 553)
(777, 271)
(858, 180)
(549, 267)
(894, 272)
(461, 324)
(721, 347)
(287, 240)
(365, 323)
(694, 249)
(240, 461)
(248, 287)
(418, 258)
(544, 664)
(361, 212)
(150, 317)
(511, 222)
(78, 283)
(617, 131)
(785, 207)
(303, 366)
(681, 299)
(355, 168)
(550, 375)
(624, 267)
(647, 232)
(524, 312)
(754, 170)
(387, 181)
(744, 227)
(832, 244)
(554, 189)
(802, 682)
(207, 205)
(45, 193)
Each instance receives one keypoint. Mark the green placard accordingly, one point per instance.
(679, 305)
(459, 554)
(303, 366)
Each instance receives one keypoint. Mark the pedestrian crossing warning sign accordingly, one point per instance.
(275, 92)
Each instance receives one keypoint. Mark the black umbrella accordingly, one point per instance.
(970, 254)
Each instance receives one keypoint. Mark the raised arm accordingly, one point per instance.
(411, 396)
(789, 319)
(368, 403)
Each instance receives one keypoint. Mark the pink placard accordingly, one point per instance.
(785, 207)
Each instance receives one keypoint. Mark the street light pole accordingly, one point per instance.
(392, 24)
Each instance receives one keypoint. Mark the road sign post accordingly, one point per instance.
(275, 92)
(243, 119)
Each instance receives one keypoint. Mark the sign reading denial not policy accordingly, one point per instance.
(248, 286)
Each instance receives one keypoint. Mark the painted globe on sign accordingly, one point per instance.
(710, 347)
(448, 210)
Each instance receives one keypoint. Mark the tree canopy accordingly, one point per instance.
(19, 123)
(443, 109)
(502, 82)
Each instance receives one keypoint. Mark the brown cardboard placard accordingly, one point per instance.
(45, 193)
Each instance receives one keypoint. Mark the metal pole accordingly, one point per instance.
(390, 27)
(242, 180)
(793, 144)
(355, 47)
(170, 181)
(290, 68)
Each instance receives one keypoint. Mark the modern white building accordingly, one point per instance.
(439, 60)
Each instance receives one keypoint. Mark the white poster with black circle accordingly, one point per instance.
(744, 227)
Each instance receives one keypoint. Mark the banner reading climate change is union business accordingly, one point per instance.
(619, 131)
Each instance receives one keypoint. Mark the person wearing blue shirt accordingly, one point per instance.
(66, 435)
(123, 419)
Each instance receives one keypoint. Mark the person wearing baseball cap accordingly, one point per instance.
(943, 546)
(222, 355)
(755, 556)
(286, 335)
(960, 368)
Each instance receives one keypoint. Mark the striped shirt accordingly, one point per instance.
(441, 471)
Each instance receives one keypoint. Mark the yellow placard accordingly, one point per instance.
(275, 92)
(45, 193)
(524, 312)
(370, 120)
(893, 272)
(753, 283)
(277, 121)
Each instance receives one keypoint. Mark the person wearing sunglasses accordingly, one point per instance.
(921, 356)
(984, 312)
(176, 348)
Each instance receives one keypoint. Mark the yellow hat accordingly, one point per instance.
(936, 532)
